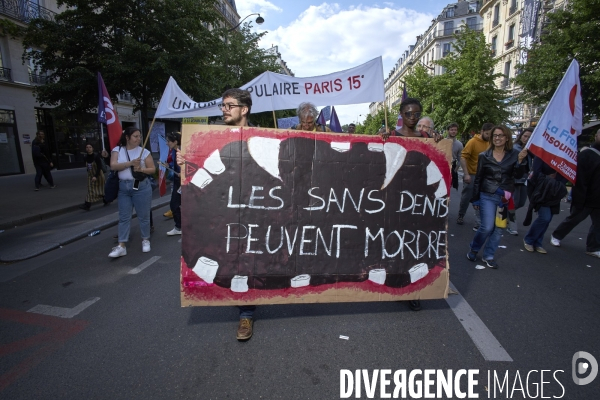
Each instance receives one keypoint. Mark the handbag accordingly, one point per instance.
(111, 187)
(153, 182)
(138, 176)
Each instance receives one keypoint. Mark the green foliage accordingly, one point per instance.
(465, 93)
(570, 34)
(265, 119)
(372, 124)
(136, 46)
(9, 28)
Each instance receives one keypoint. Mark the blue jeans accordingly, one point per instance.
(246, 311)
(141, 199)
(488, 203)
(535, 236)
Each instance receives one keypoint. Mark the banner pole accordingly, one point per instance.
(274, 120)
(148, 135)
(386, 119)
(102, 134)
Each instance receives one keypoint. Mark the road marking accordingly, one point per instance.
(484, 340)
(63, 312)
(144, 265)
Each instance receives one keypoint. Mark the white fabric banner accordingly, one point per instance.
(555, 136)
(271, 91)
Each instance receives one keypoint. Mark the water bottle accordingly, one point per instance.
(94, 233)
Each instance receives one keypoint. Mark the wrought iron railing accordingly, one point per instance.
(38, 79)
(5, 74)
(25, 11)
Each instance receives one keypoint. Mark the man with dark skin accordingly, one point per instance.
(411, 111)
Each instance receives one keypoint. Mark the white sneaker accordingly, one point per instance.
(554, 241)
(593, 253)
(145, 246)
(117, 252)
(512, 231)
(174, 232)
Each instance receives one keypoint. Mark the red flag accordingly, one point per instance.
(107, 114)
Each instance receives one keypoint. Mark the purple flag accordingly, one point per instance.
(334, 124)
(321, 119)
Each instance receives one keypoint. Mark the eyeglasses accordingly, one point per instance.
(423, 127)
(410, 114)
(228, 106)
(498, 136)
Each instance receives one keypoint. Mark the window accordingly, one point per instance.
(511, 32)
(506, 81)
(473, 7)
(494, 45)
(513, 7)
(472, 23)
(448, 28)
(446, 49)
(496, 15)
(450, 12)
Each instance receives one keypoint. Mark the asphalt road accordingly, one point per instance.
(123, 335)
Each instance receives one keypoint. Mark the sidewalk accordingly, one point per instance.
(37, 222)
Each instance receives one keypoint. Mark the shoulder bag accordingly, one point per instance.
(111, 186)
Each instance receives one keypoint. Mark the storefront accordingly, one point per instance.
(11, 161)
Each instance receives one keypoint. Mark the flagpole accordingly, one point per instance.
(148, 135)
(274, 119)
(386, 120)
(102, 134)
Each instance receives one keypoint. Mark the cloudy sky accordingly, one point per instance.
(318, 38)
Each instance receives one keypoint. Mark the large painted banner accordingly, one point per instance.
(554, 139)
(275, 216)
(272, 91)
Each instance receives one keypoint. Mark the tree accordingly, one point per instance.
(465, 93)
(571, 33)
(136, 45)
(372, 124)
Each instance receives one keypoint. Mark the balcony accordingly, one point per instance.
(38, 79)
(495, 22)
(225, 12)
(5, 74)
(510, 44)
(25, 11)
(505, 83)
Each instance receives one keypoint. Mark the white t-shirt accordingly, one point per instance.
(125, 175)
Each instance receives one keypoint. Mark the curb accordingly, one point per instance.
(38, 217)
(99, 224)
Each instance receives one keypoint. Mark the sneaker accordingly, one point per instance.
(244, 331)
(460, 220)
(475, 228)
(117, 252)
(554, 241)
(471, 255)
(512, 232)
(541, 250)
(145, 246)
(53, 187)
(528, 247)
(491, 264)
(414, 305)
(168, 214)
(593, 253)
(174, 232)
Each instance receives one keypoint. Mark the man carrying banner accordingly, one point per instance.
(425, 124)
(351, 128)
(586, 199)
(307, 112)
(236, 109)
(410, 110)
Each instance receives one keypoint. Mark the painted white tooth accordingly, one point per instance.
(206, 269)
(213, 163)
(442, 190)
(433, 173)
(378, 147)
(417, 272)
(394, 158)
(300, 281)
(265, 151)
(377, 276)
(201, 178)
(342, 147)
(239, 284)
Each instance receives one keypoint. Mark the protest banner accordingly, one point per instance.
(275, 216)
(271, 91)
(554, 138)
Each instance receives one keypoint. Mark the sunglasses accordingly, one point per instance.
(410, 114)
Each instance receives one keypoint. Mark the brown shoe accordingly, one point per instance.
(168, 214)
(244, 331)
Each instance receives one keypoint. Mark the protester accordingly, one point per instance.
(411, 110)
(426, 125)
(133, 163)
(457, 148)
(585, 199)
(42, 160)
(468, 162)
(95, 178)
(497, 168)
(351, 128)
(519, 197)
(174, 141)
(236, 109)
(307, 112)
(545, 189)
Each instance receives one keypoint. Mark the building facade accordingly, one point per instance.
(435, 43)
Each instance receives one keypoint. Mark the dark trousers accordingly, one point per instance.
(176, 203)
(579, 214)
(43, 169)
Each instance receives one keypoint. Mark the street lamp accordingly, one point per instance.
(258, 20)
(411, 63)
